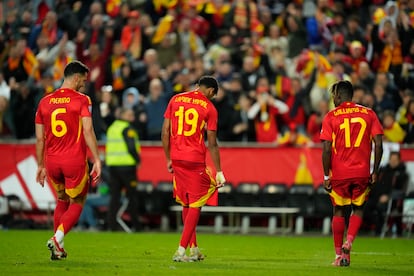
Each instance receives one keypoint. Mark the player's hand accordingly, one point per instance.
(169, 166)
(220, 179)
(327, 185)
(96, 172)
(41, 176)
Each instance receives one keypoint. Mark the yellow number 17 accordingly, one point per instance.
(346, 125)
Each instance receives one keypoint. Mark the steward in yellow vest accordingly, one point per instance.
(123, 159)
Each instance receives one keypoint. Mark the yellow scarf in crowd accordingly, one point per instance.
(164, 26)
(116, 64)
(240, 14)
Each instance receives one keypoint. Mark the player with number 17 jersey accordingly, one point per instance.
(61, 114)
(347, 127)
(191, 113)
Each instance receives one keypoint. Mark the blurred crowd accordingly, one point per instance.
(275, 61)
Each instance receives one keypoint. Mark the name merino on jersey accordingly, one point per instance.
(64, 100)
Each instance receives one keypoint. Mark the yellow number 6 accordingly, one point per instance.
(58, 123)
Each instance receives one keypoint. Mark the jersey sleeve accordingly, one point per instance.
(326, 130)
(212, 119)
(86, 107)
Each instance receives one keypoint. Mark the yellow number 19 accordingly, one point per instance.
(189, 117)
(346, 125)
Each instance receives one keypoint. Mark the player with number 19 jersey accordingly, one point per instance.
(191, 113)
(350, 127)
(61, 114)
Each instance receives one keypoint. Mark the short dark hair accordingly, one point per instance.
(209, 82)
(75, 67)
(343, 88)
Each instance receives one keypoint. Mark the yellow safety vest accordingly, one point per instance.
(116, 148)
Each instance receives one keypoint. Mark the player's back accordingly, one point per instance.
(190, 113)
(61, 112)
(352, 127)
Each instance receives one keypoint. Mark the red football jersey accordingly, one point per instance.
(191, 113)
(60, 112)
(351, 128)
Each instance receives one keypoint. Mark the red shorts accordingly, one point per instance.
(71, 178)
(193, 184)
(353, 191)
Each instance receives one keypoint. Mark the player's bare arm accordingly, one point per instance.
(40, 147)
(165, 139)
(326, 162)
(90, 139)
(215, 156)
(377, 158)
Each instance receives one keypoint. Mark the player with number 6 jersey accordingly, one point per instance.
(347, 134)
(64, 130)
(61, 114)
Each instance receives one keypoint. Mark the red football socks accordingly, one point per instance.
(190, 224)
(61, 207)
(193, 239)
(338, 228)
(71, 217)
(353, 228)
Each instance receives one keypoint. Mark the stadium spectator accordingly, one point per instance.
(314, 123)
(225, 110)
(117, 74)
(264, 112)
(298, 101)
(250, 74)
(391, 56)
(393, 132)
(347, 183)
(409, 125)
(222, 47)
(242, 128)
(21, 62)
(215, 13)
(95, 57)
(133, 39)
(24, 104)
(383, 101)
(191, 43)
(406, 95)
(240, 19)
(49, 28)
(5, 124)
(392, 185)
(155, 106)
(99, 199)
(297, 37)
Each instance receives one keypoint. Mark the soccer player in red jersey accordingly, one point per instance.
(64, 130)
(187, 118)
(347, 134)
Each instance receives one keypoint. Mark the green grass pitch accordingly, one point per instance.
(149, 253)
